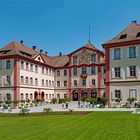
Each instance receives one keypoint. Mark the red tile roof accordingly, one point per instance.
(131, 34)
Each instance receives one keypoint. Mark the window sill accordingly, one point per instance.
(131, 77)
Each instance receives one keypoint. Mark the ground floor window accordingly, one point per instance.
(52, 95)
(0, 97)
(49, 96)
(26, 97)
(58, 96)
(117, 93)
(46, 96)
(21, 96)
(132, 93)
(65, 95)
(31, 96)
(8, 96)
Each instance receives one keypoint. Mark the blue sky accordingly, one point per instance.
(62, 25)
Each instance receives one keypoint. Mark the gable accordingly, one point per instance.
(39, 58)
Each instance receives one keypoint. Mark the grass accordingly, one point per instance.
(92, 126)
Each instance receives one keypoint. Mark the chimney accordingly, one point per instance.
(60, 54)
(134, 21)
(21, 41)
(41, 51)
(46, 53)
(34, 47)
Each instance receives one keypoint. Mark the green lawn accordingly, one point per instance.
(92, 126)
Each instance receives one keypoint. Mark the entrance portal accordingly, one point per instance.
(75, 96)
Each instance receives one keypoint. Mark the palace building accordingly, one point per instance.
(26, 73)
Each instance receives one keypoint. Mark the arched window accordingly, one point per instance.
(133, 93)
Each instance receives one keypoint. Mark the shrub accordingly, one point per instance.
(64, 100)
(24, 111)
(131, 99)
(54, 100)
(8, 102)
(47, 110)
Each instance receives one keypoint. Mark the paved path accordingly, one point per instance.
(72, 105)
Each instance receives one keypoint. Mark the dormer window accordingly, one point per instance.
(138, 34)
(93, 58)
(74, 60)
(123, 36)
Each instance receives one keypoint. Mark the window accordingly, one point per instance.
(74, 71)
(27, 66)
(27, 81)
(36, 68)
(8, 64)
(42, 82)
(104, 81)
(22, 80)
(58, 96)
(26, 96)
(93, 70)
(117, 93)
(43, 70)
(104, 69)
(58, 72)
(83, 82)
(31, 81)
(132, 70)
(50, 71)
(21, 96)
(46, 70)
(93, 58)
(132, 93)
(74, 60)
(117, 71)
(65, 96)
(36, 81)
(75, 83)
(52, 83)
(0, 65)
(47, 83)
(46, 96)
(22, 64)
(65, 83)
(52, 95)
(58, 83)
(49, 96)
(8, 79)
(8, 96)
(132, 52)
(31, 67)
(65, 72)
(93, 82)
(84, 70)
(123, 36)
(31, 96)
(117, 53)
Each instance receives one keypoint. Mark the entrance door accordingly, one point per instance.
(94, 94)
(75, 96)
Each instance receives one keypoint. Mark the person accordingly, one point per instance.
(63, 105)
(66, 105)
(78, 104)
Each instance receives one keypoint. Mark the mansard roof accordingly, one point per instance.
(131, 33)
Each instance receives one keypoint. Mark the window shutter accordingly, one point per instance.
(137, 71)
(137, 51)
(127, 72)
(96, 69)
(112, 53)
(113, 73)
(122, 73)
(112, 95)
(121, 52)
(127, 52)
